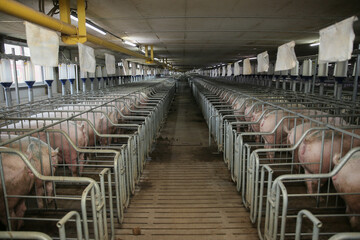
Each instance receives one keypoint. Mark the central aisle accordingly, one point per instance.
(186, 191)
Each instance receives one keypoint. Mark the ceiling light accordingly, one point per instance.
(253, 58)
(314, 44)
(156, 59)
(130, 43)
(89, 25)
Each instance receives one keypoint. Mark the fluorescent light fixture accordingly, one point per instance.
(130, 43)
(314, 44)
(142, 50)
(252, 58)
(156, 59)
(89, 25)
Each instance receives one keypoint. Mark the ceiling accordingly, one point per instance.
(198, 33)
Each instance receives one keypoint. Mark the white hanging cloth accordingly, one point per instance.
(43, 45)
(133, 69)
(336, 41)
(141, 72)
(125, 67)
(229, 70)
(247, 67)
(86, 58)
(223, 73)
(286, 58)
(236, 69)
(263, 62)
(110, 63)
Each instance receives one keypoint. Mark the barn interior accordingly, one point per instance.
(178, 119)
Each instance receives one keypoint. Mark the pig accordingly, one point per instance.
(268, 123)
(309, 153)
(239, 108)
(66, 153)
(347, 180)
(144, 96)
(295, 133)
(251, 115)
(19, 180)
(96, 118)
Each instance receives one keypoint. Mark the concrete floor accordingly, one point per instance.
(186, 191)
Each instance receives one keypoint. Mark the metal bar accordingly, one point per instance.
(356, 79)
(24, 235)
(16, 79)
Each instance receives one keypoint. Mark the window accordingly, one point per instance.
(129, 64)
(20, 70)
(26, 52)
(18, 49)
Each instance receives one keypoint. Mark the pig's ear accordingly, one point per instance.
(30, 151)
(54, 152)
(336, 159)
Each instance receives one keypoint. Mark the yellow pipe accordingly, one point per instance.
(21, 11)
(146, 51)
(152, 52)
(64, 6)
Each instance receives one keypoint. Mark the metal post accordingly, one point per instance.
(63, 90)
(335, 88)
(30, 90)
(294, 85)
(92, 84)
(16, 79)
(356, 79)
(77, 79)
(321, 91)
(72, 86)
(84, 84)
(49, 83)
(322, 80)
(314, 76)
(284, 83)
(7, 93)
(270, 81)
(339, 81)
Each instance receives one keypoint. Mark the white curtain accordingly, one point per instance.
(110, 63)
(247, 67)
(263, 62)
(286, 58)
(43, 45)
(336, 41)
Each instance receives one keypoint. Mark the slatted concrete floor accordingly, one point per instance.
(185, 191)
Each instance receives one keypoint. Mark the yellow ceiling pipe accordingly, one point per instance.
(146, 51)
(21, 11)
(152, 52)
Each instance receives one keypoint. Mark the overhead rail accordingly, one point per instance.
(21, 11)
